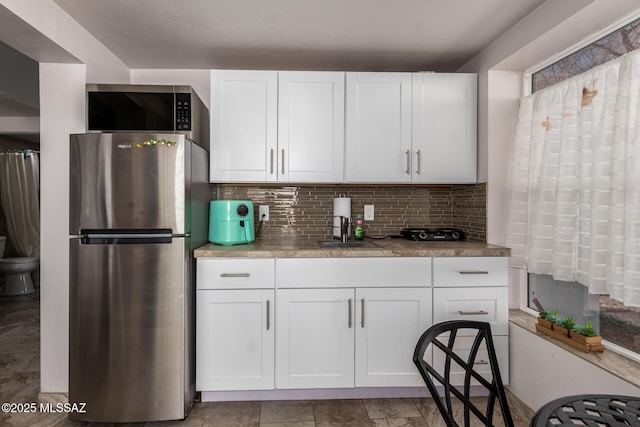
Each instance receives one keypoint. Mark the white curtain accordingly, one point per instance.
(574, 210)
(19, 192)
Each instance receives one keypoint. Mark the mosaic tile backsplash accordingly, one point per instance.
(306, 212)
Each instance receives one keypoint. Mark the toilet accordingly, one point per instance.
(15, 273)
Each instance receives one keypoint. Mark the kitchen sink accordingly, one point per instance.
(352, 244)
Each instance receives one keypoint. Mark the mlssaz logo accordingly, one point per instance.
(123, 146)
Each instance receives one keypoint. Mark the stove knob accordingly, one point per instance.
(455, 235)
(422, 235)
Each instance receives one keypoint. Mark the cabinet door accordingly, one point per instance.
(389, 323)
(378, 127)
(314, 347)
(310, 126)
(243, 125)
(235, 340)
(444, 128)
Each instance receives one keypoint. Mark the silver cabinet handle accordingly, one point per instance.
(271, 162)
(470, 313)
(474, 272)
(418, 155)
(408, 154)
(481, 362)
(283, 161)
(349, 312)
(268, 315)
(235, 275)
(362, 313)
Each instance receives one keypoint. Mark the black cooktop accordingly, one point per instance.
(432, 234)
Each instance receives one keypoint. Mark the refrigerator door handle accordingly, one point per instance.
(126, 236)
(120, 236)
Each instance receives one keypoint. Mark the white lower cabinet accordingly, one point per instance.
(235, 340)
(350, 322)
(473, 288)
(314, 346)
(389, 322)
(341, 322)
(235, 324)
(320, 331)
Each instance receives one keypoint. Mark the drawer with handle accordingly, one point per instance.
(463, 346)
(235, 273)
(470, 271)
(481, 304)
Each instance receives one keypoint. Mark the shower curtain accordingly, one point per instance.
(19, 192)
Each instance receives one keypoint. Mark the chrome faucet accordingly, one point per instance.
(344, 228)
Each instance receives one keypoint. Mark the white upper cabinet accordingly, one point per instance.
(444, 128)
(270, 126)
(318, 127)
(310, 126)
(244, 124)
(378, 127)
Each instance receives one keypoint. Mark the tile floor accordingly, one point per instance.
(20, 383)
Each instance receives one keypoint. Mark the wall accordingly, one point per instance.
(306, 212)
(504, 88)
(8, 143)
(18, 82)
(62, 95)
(470, 210)
(43, 31)
(541, 371)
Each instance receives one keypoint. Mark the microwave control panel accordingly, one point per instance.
(183, 111)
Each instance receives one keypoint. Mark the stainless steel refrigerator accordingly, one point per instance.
(138, 208)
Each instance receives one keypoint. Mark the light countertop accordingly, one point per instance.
(372, 248)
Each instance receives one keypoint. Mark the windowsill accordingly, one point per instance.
(615, 363)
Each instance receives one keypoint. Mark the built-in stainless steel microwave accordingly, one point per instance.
(147, 108)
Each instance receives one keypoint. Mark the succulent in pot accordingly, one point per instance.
(546, 318)
(585, 333)
(568, 322)
(563, 325)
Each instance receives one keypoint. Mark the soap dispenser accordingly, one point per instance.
(358, 233)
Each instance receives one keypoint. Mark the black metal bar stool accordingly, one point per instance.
(589, 410)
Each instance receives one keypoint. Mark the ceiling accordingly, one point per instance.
(372, 35)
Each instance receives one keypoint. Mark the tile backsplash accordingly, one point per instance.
(306, 211)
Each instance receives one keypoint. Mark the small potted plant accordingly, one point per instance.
(546, 318)
(564, 325)
(585, 334)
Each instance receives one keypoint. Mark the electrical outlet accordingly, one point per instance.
(263, 213)
(368, 212)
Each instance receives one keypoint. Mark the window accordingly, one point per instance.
(617, 323)
(613, 45)
(614, 321)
